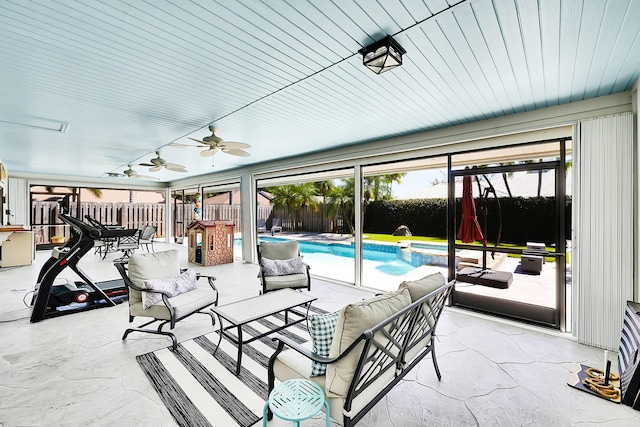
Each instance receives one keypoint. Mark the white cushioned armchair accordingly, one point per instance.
(159, 289)
(281, 266)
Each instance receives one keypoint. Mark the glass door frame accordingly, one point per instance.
(180, 222)
(555, 317)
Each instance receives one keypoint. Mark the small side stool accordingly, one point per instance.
(296, 400)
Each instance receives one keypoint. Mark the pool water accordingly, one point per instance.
(327, 259)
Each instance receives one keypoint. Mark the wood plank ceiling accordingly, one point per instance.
(88, 87)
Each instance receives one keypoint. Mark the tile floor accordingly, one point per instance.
(75, 370)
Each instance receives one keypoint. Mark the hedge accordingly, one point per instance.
(523, 219)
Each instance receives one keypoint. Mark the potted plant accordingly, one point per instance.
(57, 239)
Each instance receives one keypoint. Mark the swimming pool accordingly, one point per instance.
(337, 259)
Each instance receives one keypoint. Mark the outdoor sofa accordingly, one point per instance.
(376, 342)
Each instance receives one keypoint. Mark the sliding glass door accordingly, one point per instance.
(508, 233)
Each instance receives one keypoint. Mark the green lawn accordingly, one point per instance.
(394, 239)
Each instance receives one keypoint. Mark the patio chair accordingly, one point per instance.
(170, 294)
(127, 244)
(276, 225)
(281, 266)
(262, 225)
(147, 235)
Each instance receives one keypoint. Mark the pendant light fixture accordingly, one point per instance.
(383, 55)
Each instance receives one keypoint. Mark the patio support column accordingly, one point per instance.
(248, 194)
(357, 203)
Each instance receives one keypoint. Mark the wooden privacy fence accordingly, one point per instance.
(305, 219)
(44, 216)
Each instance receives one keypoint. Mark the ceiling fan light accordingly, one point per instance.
(383, 55)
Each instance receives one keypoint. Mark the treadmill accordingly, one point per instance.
(55, 296)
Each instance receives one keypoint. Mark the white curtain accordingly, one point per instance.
(603, 227)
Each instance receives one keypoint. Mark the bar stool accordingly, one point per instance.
(296, 400)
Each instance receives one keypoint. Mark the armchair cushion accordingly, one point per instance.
(172, 286)
(353, 321)
(280, 250)
(277, 267)
(322, 330)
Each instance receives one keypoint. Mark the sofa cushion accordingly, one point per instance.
(277, 267)
(322, 330)
(419, 288)
(172, 286)
(354, 319)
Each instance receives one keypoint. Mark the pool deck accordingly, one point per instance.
(536, 289)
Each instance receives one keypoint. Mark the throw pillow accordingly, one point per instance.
(323, 327)
(173, 286)
(283, 267)
(419, 288)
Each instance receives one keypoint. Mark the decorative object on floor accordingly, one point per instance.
(383, 55)
(593, 381)
(624, 388)
(296, 400)
(200, 389)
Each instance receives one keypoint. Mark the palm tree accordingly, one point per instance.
(340, 201)
(505, 177)
(323, 188)
(283, 197)
(305, 196)
(294, 198)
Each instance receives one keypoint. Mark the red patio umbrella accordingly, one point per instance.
(469, 230)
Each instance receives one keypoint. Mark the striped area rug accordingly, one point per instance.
(200, 388)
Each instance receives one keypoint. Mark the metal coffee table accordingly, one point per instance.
(242, 312)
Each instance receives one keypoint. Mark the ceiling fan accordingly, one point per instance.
(157, 163)
(130, 173)
(214, 144)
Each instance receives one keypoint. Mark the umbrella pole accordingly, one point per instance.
(485, 211)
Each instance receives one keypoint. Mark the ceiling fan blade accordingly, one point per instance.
(178, 144)
(233, 144)
(236, 152)
(198, 141)
(146, 164)
(175, 168)
(208, 152)
(154, 168)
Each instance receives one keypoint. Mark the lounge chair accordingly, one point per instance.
(276, 226)
(262, 225)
